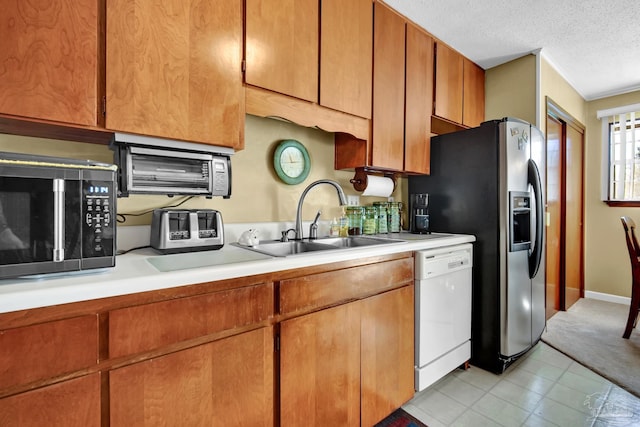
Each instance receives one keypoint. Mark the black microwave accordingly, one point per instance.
(56, 215)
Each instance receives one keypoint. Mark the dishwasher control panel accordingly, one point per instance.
(434, 262)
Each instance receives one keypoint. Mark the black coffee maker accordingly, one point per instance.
(419, 213)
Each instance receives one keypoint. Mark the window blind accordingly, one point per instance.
(621, 153)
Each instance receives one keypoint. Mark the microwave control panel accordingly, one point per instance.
(99, 221)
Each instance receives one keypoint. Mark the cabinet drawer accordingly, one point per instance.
(325, 289)
(145, 327)
(46, 350)
(73, 403)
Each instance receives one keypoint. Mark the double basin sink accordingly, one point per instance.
(277, 248)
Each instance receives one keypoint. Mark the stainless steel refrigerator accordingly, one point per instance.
(489, 181)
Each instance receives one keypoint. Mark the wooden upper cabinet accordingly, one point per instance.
(282, 38)
(49, 60)
(402, 99)
(174, 69)
(473, 94)
(449, 78)
(418, 100)
(388, 89)
(346, 49)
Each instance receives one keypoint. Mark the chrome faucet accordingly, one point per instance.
(341, 196)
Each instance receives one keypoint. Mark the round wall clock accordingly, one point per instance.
(291, 162)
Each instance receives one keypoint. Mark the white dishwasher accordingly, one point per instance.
(443, 311)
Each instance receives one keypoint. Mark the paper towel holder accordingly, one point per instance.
(360, 179)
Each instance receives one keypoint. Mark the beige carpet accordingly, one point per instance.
(590, 332)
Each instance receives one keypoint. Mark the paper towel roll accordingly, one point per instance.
(378, 186)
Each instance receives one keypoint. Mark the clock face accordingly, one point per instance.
(291, 162)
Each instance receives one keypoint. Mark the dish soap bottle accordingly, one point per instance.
(343, 225)
(334, 231)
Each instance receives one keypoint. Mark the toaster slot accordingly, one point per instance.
(207, 225)
(179, 226)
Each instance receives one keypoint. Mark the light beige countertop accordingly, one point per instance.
(146, 270)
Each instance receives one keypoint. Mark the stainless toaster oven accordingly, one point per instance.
(149, 165)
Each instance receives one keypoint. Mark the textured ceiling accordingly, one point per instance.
(593, 44)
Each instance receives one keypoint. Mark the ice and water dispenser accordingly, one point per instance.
(519, 220)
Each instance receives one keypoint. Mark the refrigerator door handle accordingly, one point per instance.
(536, 255)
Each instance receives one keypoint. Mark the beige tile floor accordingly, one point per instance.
(543, 388)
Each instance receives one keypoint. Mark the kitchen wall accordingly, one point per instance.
(554, 86)
(510, 90)
(257, 193)
(607, 267)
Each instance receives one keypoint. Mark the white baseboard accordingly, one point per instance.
(607, 297)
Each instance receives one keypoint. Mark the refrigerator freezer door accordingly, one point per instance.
(515, 283)
(538, 315)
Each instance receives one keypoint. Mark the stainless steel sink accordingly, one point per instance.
(357, 241)
(282, 249)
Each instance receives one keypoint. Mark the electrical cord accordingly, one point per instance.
(121, 218)
(131, 249)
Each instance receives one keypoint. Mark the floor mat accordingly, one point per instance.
(400, 418)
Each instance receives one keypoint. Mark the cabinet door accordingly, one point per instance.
(174, 69)
(449, 77)
(49, 60)
(223, 383)
(282, 46)
(388, 89)
(473, 93)
(387, 353)
(320, 368)
(418, 101)
(46, 350)
(73, 403)
(346, 49)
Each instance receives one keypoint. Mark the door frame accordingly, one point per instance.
(558, 114)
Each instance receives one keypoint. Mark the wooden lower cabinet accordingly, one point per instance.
(188, 357)
(72, 403)
(387, 347)
(223, 383)
(36, 353)
(320, 368)
(348, 365)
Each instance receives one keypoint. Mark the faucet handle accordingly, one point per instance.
(285, 234)
(313, 228)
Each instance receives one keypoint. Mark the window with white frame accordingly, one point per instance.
(621, 151)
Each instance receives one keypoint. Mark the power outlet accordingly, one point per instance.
(353, 200)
